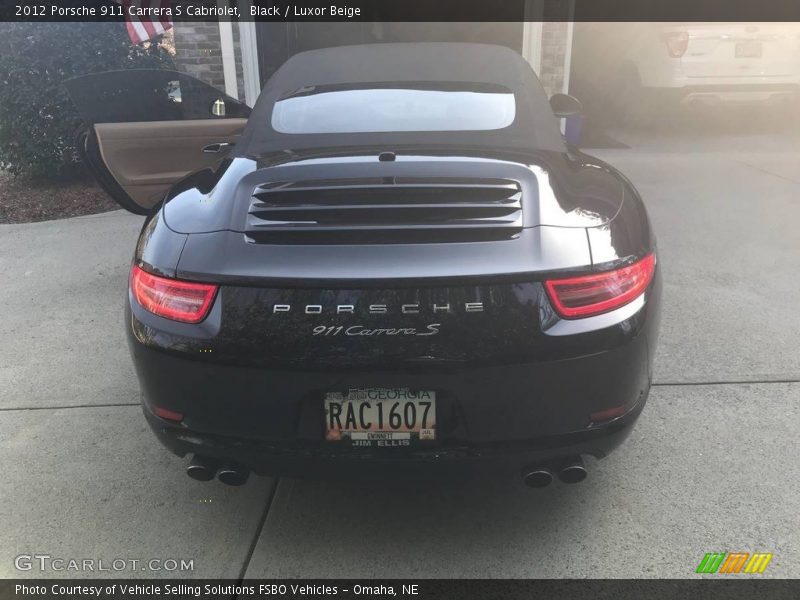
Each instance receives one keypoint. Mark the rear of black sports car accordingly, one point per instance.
(398, 305)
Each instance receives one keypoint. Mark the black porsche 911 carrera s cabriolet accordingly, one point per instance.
(394, 264)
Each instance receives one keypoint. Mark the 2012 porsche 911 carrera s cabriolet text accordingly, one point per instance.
(395, 264)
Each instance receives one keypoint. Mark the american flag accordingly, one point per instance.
(144, 29)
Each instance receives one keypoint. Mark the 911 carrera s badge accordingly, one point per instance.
(362, 331)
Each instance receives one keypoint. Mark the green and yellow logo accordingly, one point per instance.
(734, 562)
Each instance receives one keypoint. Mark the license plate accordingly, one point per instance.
(382, 417)
(748, 50)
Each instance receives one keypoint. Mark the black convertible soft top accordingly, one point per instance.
(534, 126)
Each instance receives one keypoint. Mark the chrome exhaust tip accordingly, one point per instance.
(233, 474)
(573, 471)
(201, 468)
(537, 477)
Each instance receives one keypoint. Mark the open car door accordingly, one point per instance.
(148, 128)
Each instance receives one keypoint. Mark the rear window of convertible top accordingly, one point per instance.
(387, 107)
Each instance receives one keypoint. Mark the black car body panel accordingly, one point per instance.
(513, 376)
(511, 384)
(570, 202)
(396, 262)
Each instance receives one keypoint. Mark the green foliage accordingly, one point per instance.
(38, 121)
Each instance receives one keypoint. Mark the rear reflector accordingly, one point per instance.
(165, 413)
(598, 293)
(608, 414)
(677, 42)
(170, 298)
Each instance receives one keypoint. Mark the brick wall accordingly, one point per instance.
(554, 49)
(197, 52)
(555, 31)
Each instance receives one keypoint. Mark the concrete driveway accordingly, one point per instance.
(711, 466)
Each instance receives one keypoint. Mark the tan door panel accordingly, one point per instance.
(147, 158)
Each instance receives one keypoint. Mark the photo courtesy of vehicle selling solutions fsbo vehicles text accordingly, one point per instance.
(399, 296)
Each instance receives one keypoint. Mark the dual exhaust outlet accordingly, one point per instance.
(571, 470)
(203, 468)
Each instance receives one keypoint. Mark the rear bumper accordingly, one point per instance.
(699, 95)
(502, 460)
(501, 417)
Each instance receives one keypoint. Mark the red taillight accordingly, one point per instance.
(677, 42)
(594, 294)
(170, 298)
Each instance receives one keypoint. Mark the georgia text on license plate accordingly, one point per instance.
(383, 417)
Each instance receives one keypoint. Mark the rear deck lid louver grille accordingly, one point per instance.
(385, 210)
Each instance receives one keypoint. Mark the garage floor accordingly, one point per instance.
(711, 466)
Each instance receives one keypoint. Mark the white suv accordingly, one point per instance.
(689, 63)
